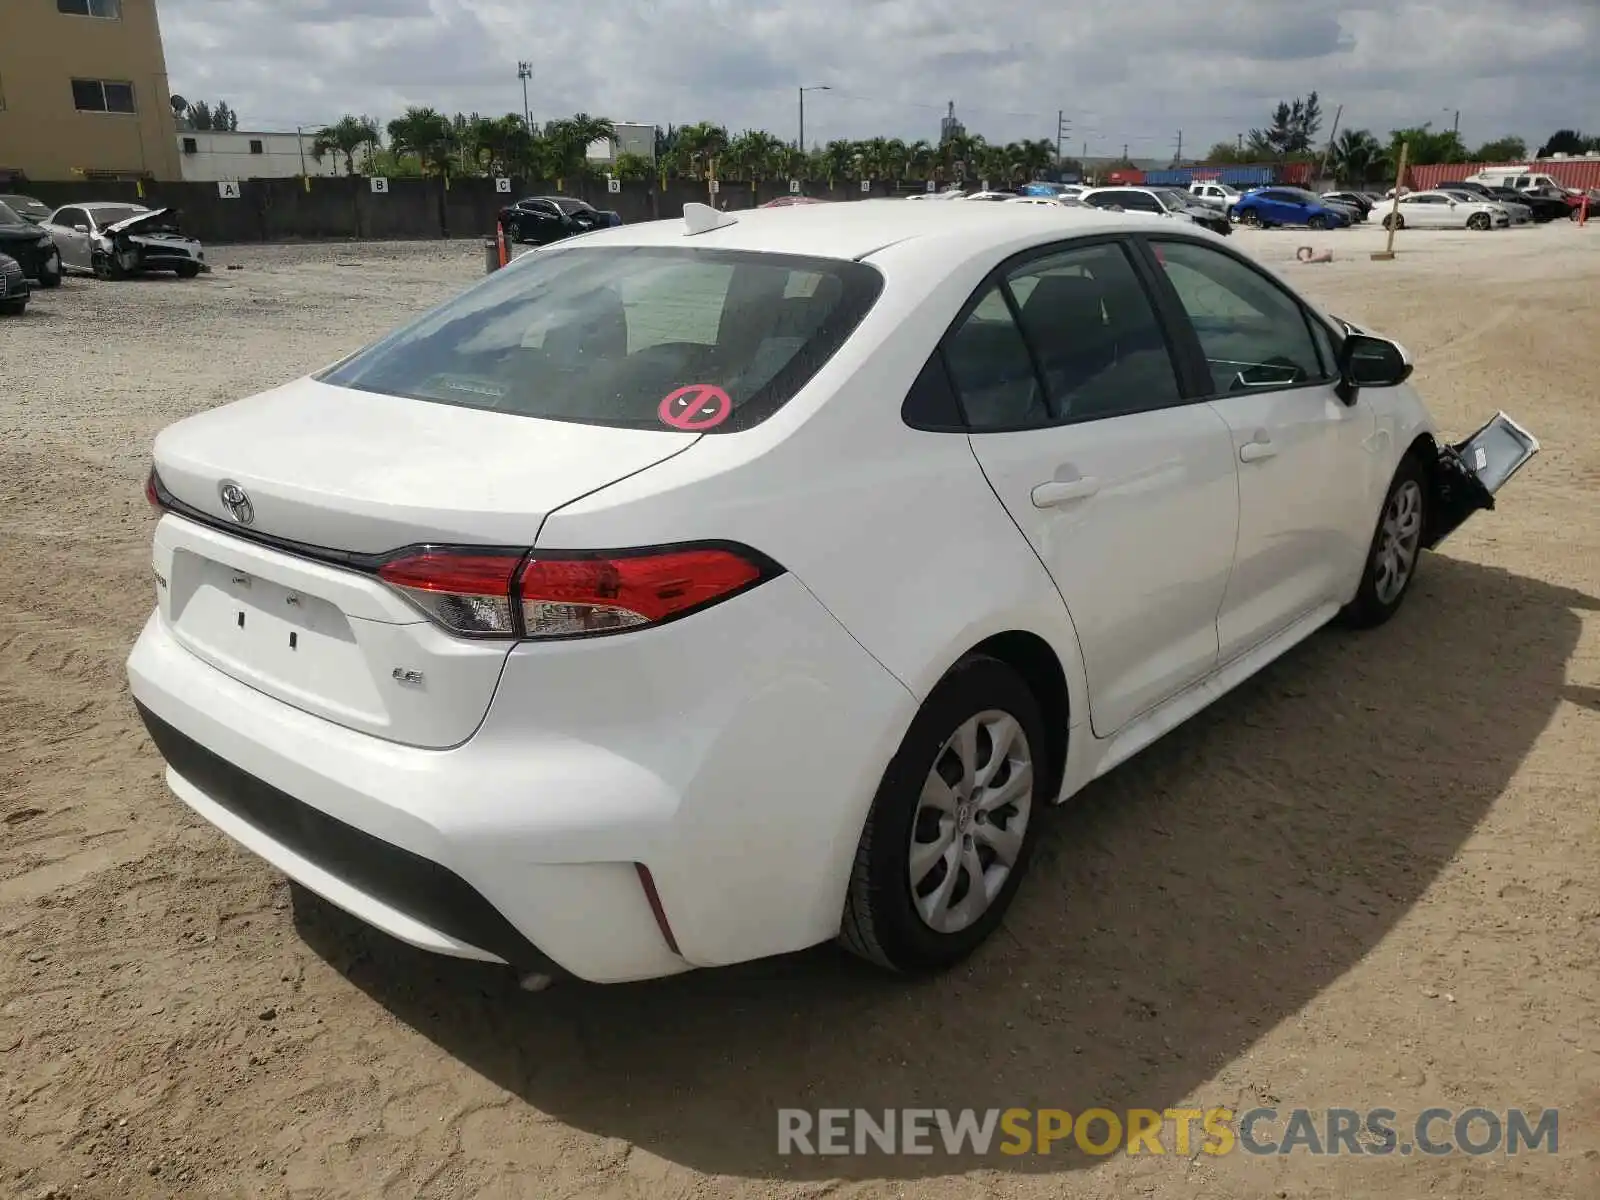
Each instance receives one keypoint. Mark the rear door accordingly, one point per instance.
(1124, 489)
(1305, 458)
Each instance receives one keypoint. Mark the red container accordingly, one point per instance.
(1127, 178)
(1578, 174)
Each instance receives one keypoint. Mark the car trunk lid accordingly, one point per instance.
(276, 586)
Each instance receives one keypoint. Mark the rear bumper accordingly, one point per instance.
(733, 754)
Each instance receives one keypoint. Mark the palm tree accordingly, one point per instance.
(345, 136)
(427, 134)
(921, 159)
(566, 142)
(753, 155)
(1357, 157)
(1036, 157)
(698, 145)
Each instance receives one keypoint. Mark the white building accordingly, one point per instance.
(211, 157)
(632, 138)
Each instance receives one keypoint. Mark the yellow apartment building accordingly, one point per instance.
(83, 91)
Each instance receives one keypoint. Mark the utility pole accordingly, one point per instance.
(815, 87)
(1455, 126)
(1332, 133)
(525, 73)
(1125, 157)
(1063, 127)
(1240, 136)
(1178, 159)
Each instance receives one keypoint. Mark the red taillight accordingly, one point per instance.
(481, 593)
(467, 592)
(566, 596)
(152, 491)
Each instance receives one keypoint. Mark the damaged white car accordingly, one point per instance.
(115, 240)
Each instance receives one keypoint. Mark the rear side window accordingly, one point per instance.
(992, 370)
(1253, 333)
(701, 340)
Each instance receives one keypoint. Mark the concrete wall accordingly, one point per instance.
(218, 156)
(42, 50)
(272, 210)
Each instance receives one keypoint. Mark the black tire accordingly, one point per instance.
(1317, 222)
(1372, 605)
(1479, 222)
(1394, 221)
(13, 308)
(105, 268)
(1250, 217)
(881, 922)
(187, 270)
(51, 278)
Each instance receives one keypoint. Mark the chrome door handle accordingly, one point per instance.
(1064, 491)
(1256, 451)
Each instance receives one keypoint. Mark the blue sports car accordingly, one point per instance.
(1271, 206)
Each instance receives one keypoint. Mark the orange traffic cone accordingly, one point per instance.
(500, 242)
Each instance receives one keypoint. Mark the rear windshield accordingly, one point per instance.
(653, 337)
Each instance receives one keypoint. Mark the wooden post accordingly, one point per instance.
(1387, 252)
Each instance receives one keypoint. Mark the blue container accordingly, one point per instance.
(1172, 177)
(1246, 177)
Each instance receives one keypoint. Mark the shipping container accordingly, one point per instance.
(1576, 173)
(1127, 178)
(1171, 177)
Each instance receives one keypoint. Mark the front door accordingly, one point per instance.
(1304, 456)
(74, 246)
(1126, 491)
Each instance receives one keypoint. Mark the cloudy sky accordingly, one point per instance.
(1131, 73)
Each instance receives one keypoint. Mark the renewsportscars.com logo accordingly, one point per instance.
(1180, 1131)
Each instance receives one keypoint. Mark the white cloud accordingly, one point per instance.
(1131, 73)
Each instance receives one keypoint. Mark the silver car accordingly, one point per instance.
(113, 240)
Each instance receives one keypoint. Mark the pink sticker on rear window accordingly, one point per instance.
(696, 407)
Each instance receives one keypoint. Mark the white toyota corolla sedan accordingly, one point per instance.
(706, 589)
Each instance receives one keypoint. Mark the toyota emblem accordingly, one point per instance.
(236, 502)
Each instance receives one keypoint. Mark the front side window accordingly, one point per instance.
(1095, 334)
(1253, 333)
(642, 337)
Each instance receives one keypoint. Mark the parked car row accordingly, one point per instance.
(109, 240)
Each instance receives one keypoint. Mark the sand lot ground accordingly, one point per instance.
(1366, 878)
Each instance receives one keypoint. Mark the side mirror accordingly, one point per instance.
(80, 229)
(1367, 361)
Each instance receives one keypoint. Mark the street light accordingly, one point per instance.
(525, 73)
(814, 87)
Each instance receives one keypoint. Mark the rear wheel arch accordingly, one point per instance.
(1040, 667)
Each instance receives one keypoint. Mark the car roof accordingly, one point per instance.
(858, 228)
(96, 205)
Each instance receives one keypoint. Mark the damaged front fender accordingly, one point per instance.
(1467, 474)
